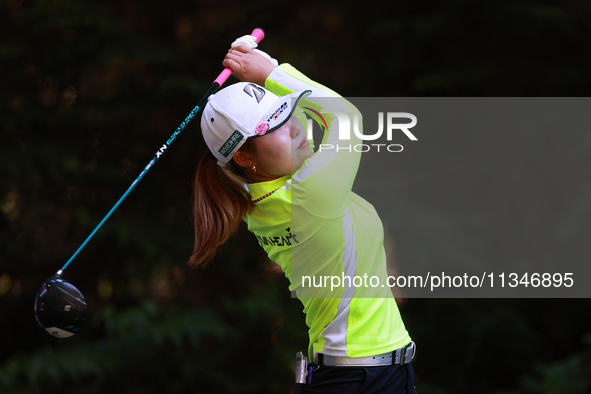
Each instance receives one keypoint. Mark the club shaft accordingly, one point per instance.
(219, 81)
(159, 154)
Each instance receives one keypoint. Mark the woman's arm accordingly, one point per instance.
(323, 184)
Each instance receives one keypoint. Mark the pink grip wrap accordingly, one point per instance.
(259, 34)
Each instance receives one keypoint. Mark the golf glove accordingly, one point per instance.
(250, 42)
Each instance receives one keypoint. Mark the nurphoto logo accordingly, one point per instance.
(391, 127)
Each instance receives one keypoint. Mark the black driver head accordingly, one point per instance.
(60, 308)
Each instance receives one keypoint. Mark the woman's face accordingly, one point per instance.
(283, 151)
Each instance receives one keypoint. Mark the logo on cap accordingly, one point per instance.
(231, 143)
(277, 112)
(254, 91)
(261, 128)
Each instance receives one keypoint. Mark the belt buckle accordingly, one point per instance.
(408, 353)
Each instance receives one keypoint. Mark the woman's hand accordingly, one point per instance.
(248, 65)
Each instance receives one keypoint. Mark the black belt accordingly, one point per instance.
(400, 356)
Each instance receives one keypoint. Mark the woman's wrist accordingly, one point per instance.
(264, 74)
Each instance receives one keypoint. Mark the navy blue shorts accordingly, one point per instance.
(391, 379)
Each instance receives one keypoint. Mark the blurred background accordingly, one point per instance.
(89, 90)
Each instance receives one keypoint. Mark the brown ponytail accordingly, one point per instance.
(220, 202)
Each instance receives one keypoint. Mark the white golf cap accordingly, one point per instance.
(241, 111)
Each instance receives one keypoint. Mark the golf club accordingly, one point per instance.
(60, 308)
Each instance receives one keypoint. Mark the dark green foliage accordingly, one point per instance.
(568, 375)
(132, 340)
(148, 350)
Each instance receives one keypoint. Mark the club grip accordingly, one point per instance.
(259, 34)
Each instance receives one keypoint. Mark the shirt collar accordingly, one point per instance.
(259, 189)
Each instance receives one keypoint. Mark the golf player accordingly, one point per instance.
(297, 200)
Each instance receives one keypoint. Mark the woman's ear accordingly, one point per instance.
(243, 159)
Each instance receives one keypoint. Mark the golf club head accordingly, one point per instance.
(60, 308)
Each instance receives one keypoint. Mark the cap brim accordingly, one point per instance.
(283, 110)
